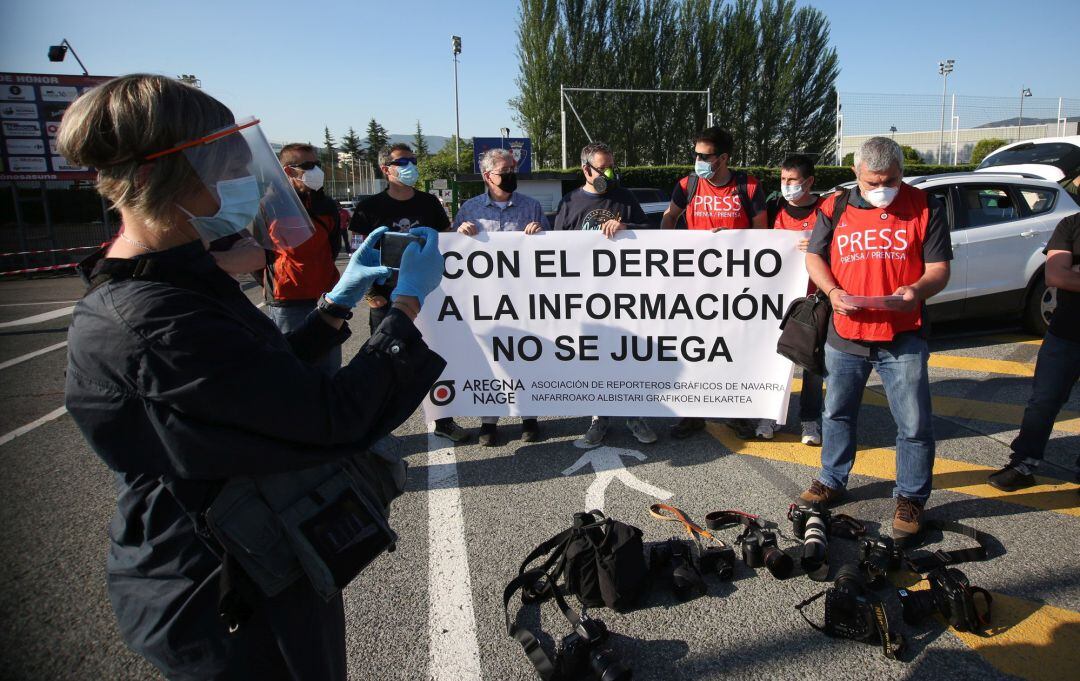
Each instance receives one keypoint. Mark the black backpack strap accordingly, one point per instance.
(773, 205)
(741, 182)
(930, 561)
(550, 569)
(691, 187)
(839, 205)
(846, 527)
(892, 644)
(529, 643)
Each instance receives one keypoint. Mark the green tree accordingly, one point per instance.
(377, 139)
(775, 45)
(328, 153)
(420, 145)
(849, 159)
(539, 46)
(350, 144)
(984, 147)
(910, 155)
(440, 165)
(809, 123)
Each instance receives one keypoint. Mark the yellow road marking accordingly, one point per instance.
(1009, 339)
(957, 407)
(987, 366)
(1027, 639)
(879, 462)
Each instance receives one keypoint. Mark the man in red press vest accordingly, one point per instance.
(715, 197)
(888, 252)
(795, 208)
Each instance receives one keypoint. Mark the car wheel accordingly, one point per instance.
(1040, 307)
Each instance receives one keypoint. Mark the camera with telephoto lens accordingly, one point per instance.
(853, 611)
(811, 525)
(759, 548)
(952, 596)
(877, 556)
(583, 652)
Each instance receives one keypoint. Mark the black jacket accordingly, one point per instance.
(177, 381)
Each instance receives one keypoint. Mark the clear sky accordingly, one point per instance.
(300, 66)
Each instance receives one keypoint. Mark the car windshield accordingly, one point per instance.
(1062, 155)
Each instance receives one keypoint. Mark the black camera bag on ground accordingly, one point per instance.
(805, 325)
(601, 560)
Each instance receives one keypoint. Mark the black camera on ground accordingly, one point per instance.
(582, 652)
(675, 558)
(877, 556)
(952, 596)
(811, 525)
(718, 559)
(759, 548)
(853, 611)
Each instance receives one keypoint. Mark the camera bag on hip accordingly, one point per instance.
(327, 522)
(805, 325)
(601, 559)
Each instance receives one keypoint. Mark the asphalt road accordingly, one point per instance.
(433, 609)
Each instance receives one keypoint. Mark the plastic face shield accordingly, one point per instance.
(280, 222)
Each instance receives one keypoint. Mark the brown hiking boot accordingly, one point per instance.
(820, 493)
(907, 519)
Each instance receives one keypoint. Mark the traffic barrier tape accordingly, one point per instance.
(49, 268)
(51, 250)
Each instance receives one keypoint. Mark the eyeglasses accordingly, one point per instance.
(402, 162)
(306, 165)
(704, 157)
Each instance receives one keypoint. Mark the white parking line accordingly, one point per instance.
(23, 430)
(454, 654)
(31, 355)
(43, 317)
(44, 302)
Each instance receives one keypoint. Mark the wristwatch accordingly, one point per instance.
(333, 309)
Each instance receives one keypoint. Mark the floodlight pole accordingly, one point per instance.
(455, 42)
(76, 55)
(1024, 92)
(944, 68)
(708, 108)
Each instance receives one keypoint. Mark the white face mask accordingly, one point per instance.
(881, 197)
(792, 192)
(313, 179)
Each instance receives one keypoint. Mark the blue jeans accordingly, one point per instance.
(1056, 372)
(292, 317)
(902, 367)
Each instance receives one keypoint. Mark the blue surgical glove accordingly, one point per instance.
(362, 271)
(421, 266)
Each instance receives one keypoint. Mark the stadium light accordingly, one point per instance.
(190, 79)
(944, 69)
(455, 44)
(1024, 92)
(58, 52)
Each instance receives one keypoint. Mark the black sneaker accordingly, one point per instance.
(686, 427)
(489, 435)
(530, 430)
(450, 430)
(1009, 479)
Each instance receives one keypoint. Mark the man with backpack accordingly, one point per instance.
(879, 250)
(795, 208)
(714, 197)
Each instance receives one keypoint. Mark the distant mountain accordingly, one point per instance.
(435, 142)
(1012, 121)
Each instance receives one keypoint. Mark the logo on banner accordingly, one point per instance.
(25, 146)
(15, 110)
(20, 93)
(59, 93)
(22, 129)
(442, 393)
(517, 148)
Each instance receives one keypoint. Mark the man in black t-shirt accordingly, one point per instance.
(605, 206)
(1058, 367)
(400, 208)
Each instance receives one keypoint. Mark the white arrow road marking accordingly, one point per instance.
(607, 462)
(453, 654)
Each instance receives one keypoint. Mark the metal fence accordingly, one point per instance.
(945, 129)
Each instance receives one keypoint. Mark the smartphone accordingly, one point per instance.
(392, 246)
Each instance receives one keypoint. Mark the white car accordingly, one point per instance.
(1053, 158)
(1000, 224)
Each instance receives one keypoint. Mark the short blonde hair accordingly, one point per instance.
(114, 126)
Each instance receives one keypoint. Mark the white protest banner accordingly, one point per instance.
(651, 323)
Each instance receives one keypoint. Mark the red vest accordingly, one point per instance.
(307, 270)
(784, 221)
(873, 252)
(715, 207)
